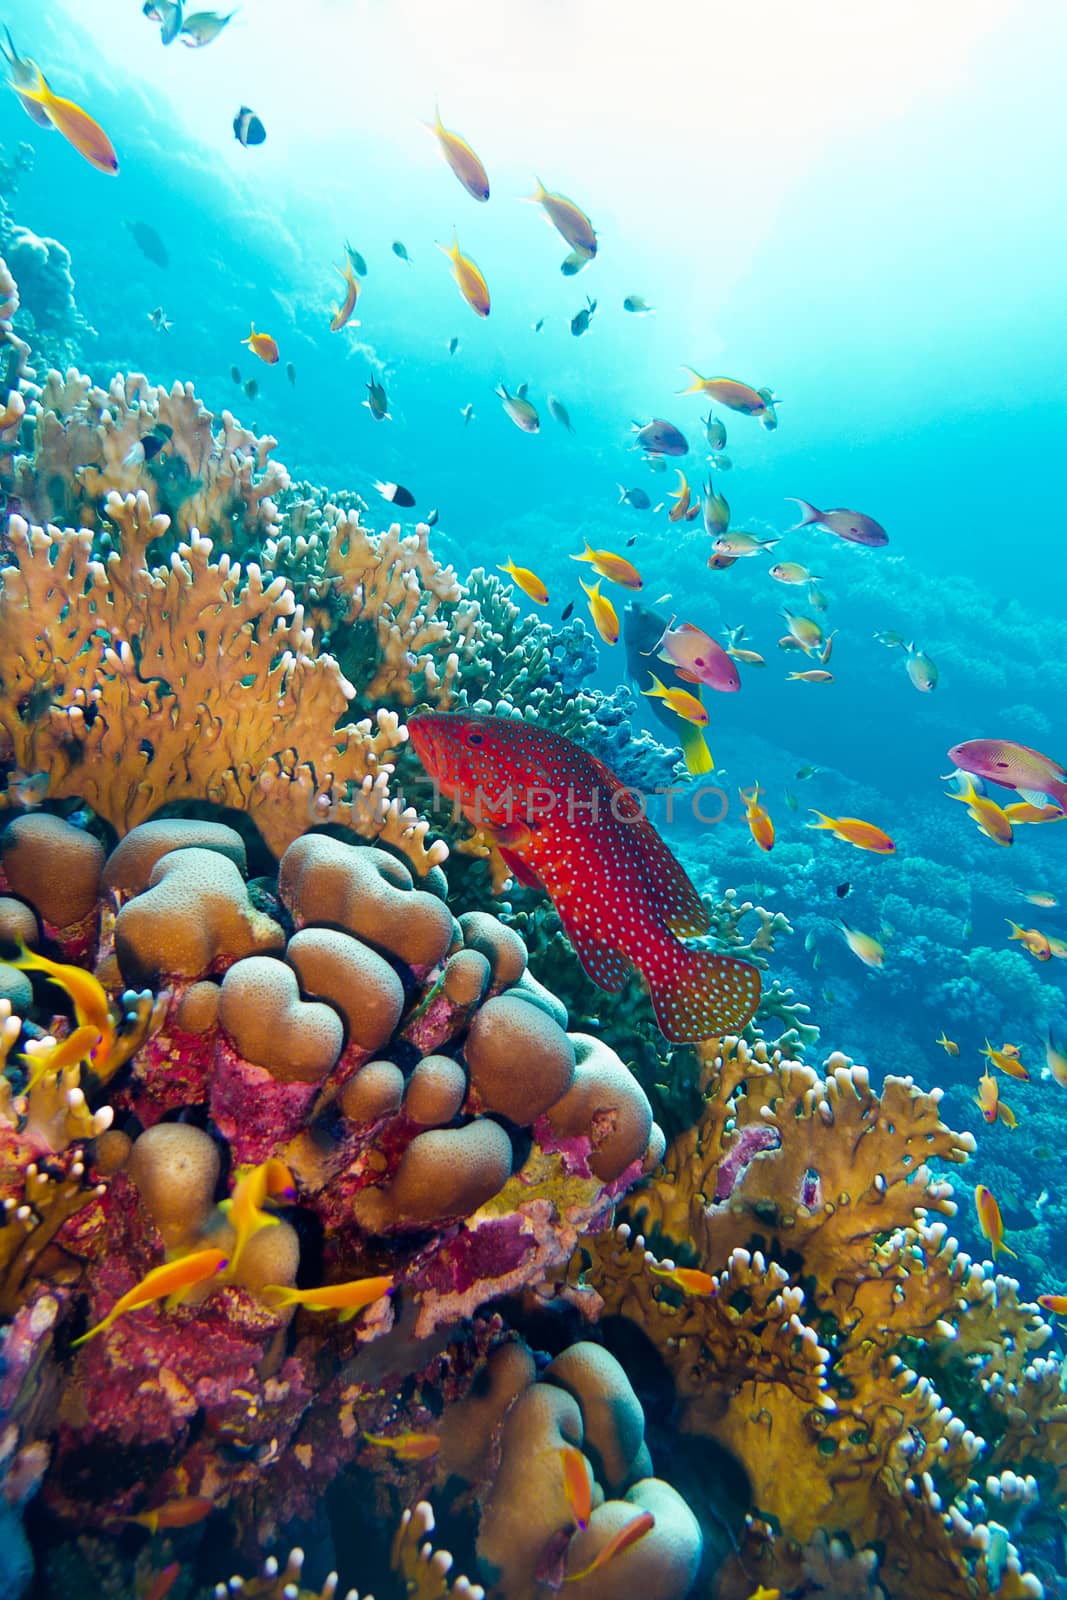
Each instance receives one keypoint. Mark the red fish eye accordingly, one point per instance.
(474, 738)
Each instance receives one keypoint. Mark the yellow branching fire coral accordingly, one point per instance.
(826, 1303)
(390, 583)
(133, 686)
(217, 476)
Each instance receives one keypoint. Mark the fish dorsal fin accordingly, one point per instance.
(521, 390)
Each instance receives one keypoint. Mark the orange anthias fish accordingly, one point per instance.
(1006, 1061)
(864, 835)
(183, 1513)
(1031, 939)
(344, 311)
(736, 396)
(1056, 1303)
(162, 1583)
(407, 1446)
(949, 1046)
(863, 945)
(528, 582)
(608, 565)
(172, 1278)
(565, 824)
(988, 1098)
(71, 1051)
(760, 825)
(605, 617)
(681, 497)
(92, 1008)
(1021, 812)
(461, 158)
(577, 1485)
(992, 820)
(347, 1298)
(263, 346)
(469, 281)
(689, 1279)
(244, 1209)
(990, 1220)
(626, 1536)
(75, 125)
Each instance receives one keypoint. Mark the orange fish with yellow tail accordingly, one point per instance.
(620, 1541)
(173, 1278)
(76, 126)
(468, 277)
(346, 1298)
(759, 822)
(854, 831)
(990, 1220)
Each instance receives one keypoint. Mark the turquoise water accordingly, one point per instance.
(853, 206)
(850, 209)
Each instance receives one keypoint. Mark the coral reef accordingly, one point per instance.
(827, 1312)
(352, 1029)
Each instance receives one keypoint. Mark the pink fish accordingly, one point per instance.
(565, 824)
(852, 526)
(1013, 766)
(697, 658)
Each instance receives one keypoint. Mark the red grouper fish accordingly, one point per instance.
(564, 823)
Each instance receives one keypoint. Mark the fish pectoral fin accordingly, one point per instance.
(518, 869)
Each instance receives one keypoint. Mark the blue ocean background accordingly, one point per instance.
(853, 205)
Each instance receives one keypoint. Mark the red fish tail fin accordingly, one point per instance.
(699, 994)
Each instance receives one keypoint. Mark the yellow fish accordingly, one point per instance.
(1040, 897)
(948, 1045)
(1031, 939)
(1021, 811)
(689, 1279)
(71, 1051)
(990, 1220)
(407, 1446)
(988, 1098)
(615, 568)
(681, 497)
(1007, 1061)
(528, 581)
(805, 630)
(344, 311)
(736, 396)
(568, 220)
(1007, 1115)
(347, 1298)
(862, 945)
(792, 572)
(766, 1594)
(461, 158)
(472, 286)
(680, 701)
(174, 1277)
(760, 825)
(263, 346)
(606, 618)
(853, 830)
(75, 125)
(630, 1534)
(992, 820)
(1055, 1053)
(92, 1008)
(271, 1179)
